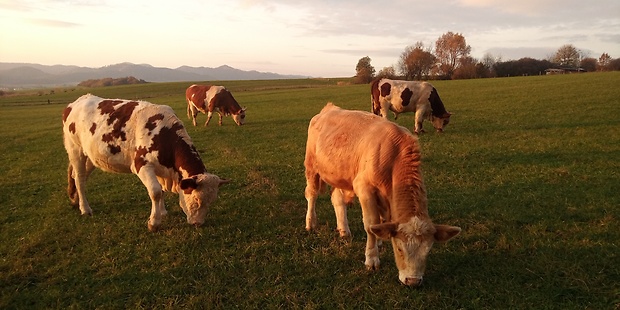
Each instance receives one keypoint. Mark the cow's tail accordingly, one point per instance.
(374, 97)
(189, 110)
(439, 110)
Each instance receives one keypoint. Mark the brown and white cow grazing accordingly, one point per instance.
(409, 96)
(208, 99)
(139, 137)
(360, 154)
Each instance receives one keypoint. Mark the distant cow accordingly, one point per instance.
(208, 99)
(126, 136)
(409, 96)
(360, 154)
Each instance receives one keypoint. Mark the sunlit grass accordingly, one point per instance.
(528, 167)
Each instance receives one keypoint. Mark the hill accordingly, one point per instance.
(34, 75)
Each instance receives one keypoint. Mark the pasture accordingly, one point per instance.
(529, 168)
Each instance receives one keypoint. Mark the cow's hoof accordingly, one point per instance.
(153, 228)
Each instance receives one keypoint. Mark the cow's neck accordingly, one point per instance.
(408, 200)
(187, 160)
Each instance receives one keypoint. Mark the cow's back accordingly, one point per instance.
(343, 144)
(109, 131)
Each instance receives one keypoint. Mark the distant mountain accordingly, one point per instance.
(35, 75)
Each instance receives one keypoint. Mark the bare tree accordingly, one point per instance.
(365, 72)
(416, 62)
(567, 56)
(449, 49)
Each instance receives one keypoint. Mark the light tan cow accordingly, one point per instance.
(361, 154)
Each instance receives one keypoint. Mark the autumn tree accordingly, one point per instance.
(387, 72)
(567, 56)
(604, 61)
(416, 62)
(588, 64)
(450, 48)
(365, 72)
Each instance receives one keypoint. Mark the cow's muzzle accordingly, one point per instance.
(412, 282)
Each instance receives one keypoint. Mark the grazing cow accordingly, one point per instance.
(208, 99)
(409, 96)
(360, 154)
(139, 137)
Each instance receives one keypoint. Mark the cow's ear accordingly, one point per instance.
(189, 184)
(444, 233)
(384, 231)
(223, 181)
(244, 109)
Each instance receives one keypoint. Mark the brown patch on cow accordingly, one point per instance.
(406, 96)
(386, 88)
(119, 117)
(93, 128)
(197, 95)
(172, 150)
(65, 114)
(151, 123)
(72, 128)
(437, 107)
(138, 159)
(114, 149)
(225, 102)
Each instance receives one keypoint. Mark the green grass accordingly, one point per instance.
(529, 167)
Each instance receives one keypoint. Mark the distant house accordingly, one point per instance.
(564, 70)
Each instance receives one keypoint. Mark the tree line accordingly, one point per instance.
(111, 82)
(450, 58)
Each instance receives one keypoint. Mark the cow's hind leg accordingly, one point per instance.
(72, 191)
(192, 112)
(340, 200)
(78, 172)
(220, 120)
(313, 184)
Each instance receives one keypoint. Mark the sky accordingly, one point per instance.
(318, 38)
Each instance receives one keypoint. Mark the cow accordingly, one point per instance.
(127, 136)
(208, 99)
(363, 155)
(409, 96)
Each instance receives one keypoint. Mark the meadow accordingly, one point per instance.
(529, 168)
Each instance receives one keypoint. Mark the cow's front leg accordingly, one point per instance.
(148, 178)
(340, 207)
(419, 119)
(209, 116)
(220, 121)
(370, 214)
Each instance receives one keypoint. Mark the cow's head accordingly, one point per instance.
(239, 117)
(440, 122)
(198, 193)
(412, 241)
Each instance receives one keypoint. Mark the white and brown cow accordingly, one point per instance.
(208, 99)
(139, 137)
(409, 96)
(361, 154)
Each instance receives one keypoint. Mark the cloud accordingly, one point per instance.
(53, 23)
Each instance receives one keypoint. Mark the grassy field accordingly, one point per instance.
(529, 167)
